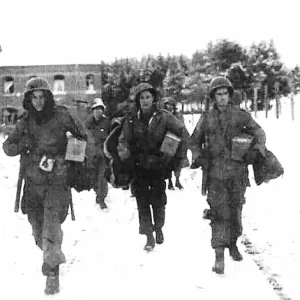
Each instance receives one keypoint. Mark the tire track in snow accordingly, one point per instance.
(257, 256)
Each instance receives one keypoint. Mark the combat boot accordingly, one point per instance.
(150, 242)
(125, 187)
(52, 284)
(234, 252)
(170, 185)
(207, 214)
(159, 236)
(159, 221)
(102, 204)
(219, 263)
(178, 184)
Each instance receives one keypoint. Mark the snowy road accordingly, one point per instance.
(104, 250)
(105, 256)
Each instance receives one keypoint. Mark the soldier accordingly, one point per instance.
(170, 105)
(99, 126)
(141, 150)
(41, 139)
(215, 147)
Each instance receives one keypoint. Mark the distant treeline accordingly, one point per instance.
(187, 79)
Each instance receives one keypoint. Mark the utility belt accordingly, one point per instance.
(46, 162)
(151, 162)
(47, 169)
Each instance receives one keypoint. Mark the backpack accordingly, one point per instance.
(81, 175)
(267, 168)
(119, 172)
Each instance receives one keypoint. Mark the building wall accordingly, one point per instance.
(74, 78)
(75, 85)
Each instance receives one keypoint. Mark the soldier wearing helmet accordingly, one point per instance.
(219, 143)
(169, 104)
(40, 137)
(99, 126)
(140, 149)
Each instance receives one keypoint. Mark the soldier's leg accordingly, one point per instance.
(56, 206)
(237, 200)
(158, 199)
(132, 190)
(217, 199)
(220, 221)
(35, 213)
(170, 182)
(102, 186)
(141, 188)
(177, 175)
(102, 191)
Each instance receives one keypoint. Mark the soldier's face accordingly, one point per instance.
(146, 100)
(38, 100)
(98, 112)
(222, 98)
(169, 107)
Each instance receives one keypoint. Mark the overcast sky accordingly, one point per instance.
(66, 32)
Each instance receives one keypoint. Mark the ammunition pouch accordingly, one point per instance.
(240, 146)
(151, 162)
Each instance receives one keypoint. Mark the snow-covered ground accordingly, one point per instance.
(105, 256)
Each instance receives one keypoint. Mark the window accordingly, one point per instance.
(9, 86)
(8, 115)
(90, 80)
(59, 84)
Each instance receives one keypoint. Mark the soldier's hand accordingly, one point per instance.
(24, 145)
(199, 162)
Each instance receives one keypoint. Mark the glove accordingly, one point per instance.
(24, 145)
(199, 162)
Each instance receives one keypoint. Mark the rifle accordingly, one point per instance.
(72, 210)
(22, 169)
(206, 155)
(204, 181)
(204, 174)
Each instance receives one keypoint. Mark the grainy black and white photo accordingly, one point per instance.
(149, 150)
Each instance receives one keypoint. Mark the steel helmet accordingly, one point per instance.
(98, 103)
(144, 87)
(37, 84)
(170, 100)
(220, 82)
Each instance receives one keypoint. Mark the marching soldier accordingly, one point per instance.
(170, 105)
(40, 137)
(218, 145)
(99, 126)
(142, 155)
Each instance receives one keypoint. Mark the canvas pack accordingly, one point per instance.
(170, 144)
(75, 150)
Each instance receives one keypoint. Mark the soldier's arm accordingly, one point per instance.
(77, 129)
(181, 117)
(18, 141)
(88, 123)
(254, 129)
(197, 139)
(174, 124)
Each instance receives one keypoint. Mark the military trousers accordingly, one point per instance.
(101, 185)
(226, 199)
(150, 192)
(46, 207)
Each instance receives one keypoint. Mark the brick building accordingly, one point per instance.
(73, 85)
